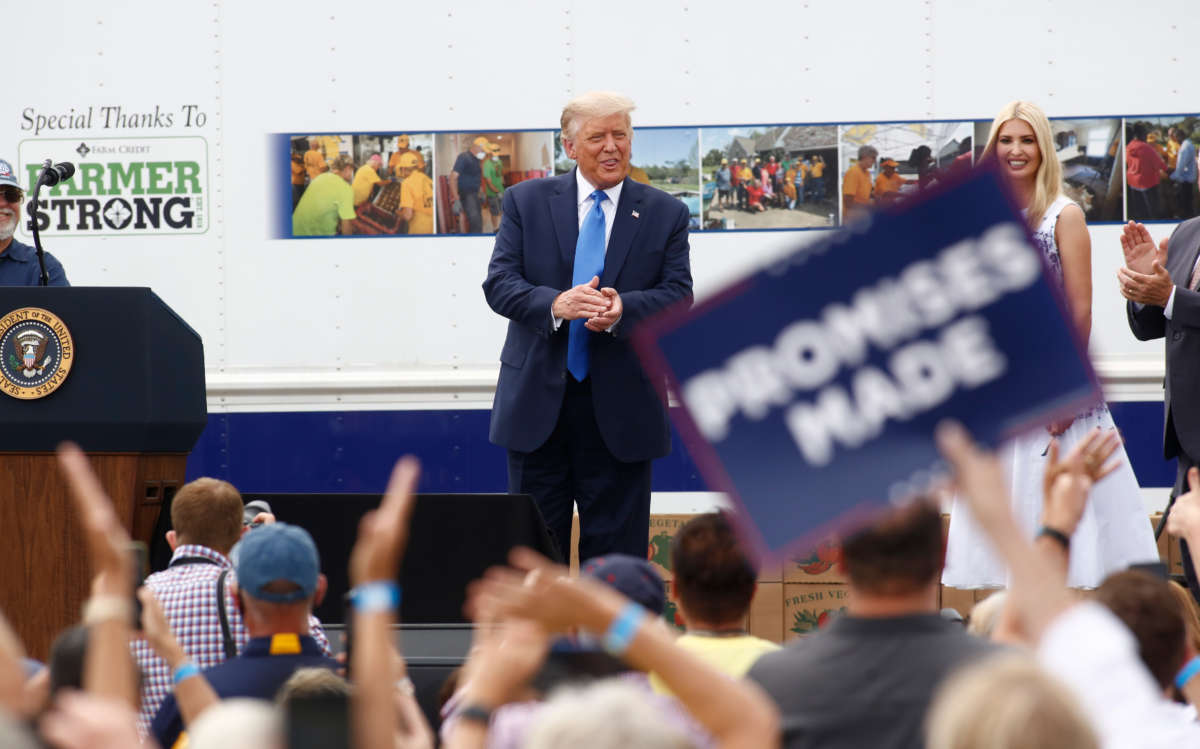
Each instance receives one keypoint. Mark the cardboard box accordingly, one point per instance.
(817, 566)
(662, 531)
(671, 615)
(984, 593)
(807, 608)
(766, 612)
(960, 599)
(1168, 548)
(1164, 548)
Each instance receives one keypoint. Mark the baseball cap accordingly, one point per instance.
(482, 141)
(8, 176)
(888, 162)
(632, 577)
(277, 552)
(724, 161)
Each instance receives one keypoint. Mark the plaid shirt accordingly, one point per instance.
(187, 592)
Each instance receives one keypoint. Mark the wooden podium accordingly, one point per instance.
(134, 400)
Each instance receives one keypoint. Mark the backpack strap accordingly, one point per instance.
(223, 614)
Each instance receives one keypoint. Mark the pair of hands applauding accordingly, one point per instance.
(601, 308)
(1144, 278)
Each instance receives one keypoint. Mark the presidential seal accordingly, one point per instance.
(36, 353)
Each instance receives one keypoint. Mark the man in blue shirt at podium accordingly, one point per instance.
(18, 261)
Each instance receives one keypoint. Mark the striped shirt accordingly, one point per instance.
(186, 590)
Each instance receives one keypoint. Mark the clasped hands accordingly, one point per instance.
(1144, 278)
(601, 308)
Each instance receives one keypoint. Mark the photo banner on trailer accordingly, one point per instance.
(811, 388)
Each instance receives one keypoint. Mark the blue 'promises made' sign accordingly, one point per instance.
(812, 388)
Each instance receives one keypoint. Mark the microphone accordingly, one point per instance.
(52, 175)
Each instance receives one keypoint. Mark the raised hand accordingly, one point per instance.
(1089, 457)
(383, 533)
(106, 539)
(1184, 520)
(1138, 247)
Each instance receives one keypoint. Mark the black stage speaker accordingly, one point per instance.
(453, 539)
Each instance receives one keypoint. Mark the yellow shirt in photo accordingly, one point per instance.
(885, 184)
(332, 145)
(416, 192)
(314, 162)
(857, 184)
(364, 179)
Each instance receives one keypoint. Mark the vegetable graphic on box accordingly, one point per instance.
(671, 615)
(805, 621)
(822, 559)
(659, 551)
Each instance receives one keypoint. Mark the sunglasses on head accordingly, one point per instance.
(12, 194)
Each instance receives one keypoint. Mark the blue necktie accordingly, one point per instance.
(589, 261)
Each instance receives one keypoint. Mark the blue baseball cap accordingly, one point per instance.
(634, 578)
(8, 176)
(277, 552)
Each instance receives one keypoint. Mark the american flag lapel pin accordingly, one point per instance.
(636, 214)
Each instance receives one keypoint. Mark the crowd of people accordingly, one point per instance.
(754, 185)
(477, 180)
(226, 646)
(223, 650)
(328, 190)
(1161, 172)
(861, 192)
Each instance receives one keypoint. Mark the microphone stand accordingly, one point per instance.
(37, 241)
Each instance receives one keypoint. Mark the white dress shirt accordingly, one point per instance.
(1090, 650)
(583, 193)
(1170, 308)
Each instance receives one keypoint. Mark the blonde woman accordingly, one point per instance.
(1007, 702)
(1115, 531)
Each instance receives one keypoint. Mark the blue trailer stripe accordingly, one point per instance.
(353, 451)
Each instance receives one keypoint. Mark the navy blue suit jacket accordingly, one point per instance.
(646, 262)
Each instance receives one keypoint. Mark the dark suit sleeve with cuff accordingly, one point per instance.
(1147, 323)
(506, 289)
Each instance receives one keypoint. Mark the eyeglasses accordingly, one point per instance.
(12, 194)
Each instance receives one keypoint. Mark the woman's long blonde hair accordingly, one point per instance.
(1048, 185)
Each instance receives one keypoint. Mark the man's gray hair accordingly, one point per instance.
(865, 151)
(591, 105)
(238, 723)
(608, 714)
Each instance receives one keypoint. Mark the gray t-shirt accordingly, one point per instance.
(864, 682)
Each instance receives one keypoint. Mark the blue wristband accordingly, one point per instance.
(186, 670)
(1190, 669)
(375, 597)
(622, 630)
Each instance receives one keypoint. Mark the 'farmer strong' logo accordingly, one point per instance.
(127, 186)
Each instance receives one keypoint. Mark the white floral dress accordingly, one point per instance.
(1115, 531)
